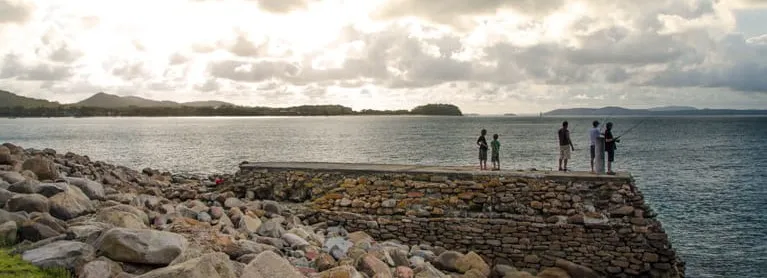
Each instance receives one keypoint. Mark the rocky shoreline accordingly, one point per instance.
(100, 220)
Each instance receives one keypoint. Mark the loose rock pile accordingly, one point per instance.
(101, 220)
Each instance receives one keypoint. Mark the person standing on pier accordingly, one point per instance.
(594, 134)
(482, 143)
(610, 147)
(565, 145)
(495, 158)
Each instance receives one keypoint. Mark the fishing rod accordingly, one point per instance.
(632, 128)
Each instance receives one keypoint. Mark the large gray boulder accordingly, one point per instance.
(269, 264)
(124, 216)
(5, 195)
(44, 168)
(70, 204)
(100, 268)
(18, 217)
(11, 177)
(8, 233)
(28, 202)
(141, 246)
(60, 254)
(211, 265)
(92, 189)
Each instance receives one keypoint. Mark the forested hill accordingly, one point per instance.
(102, 104)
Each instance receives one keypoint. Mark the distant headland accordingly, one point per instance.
(657, 111)
(107, 105)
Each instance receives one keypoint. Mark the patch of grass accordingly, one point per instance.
(14, 266)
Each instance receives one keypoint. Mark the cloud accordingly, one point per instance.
(457, 12)
(401, 52)
(15, 11)
(14, 68)
(282, 6)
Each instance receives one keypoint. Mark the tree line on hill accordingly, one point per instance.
(226, 110)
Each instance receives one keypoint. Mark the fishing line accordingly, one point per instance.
(632, 128)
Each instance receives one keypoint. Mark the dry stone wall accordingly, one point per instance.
(525, 219)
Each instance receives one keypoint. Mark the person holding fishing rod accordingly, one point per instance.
(610, 146)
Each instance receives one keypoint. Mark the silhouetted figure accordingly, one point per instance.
(594, 134)
(482, 143)
(610, 147)
(495, 156)
(565, 145)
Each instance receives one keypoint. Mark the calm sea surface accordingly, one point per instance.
(705, 176)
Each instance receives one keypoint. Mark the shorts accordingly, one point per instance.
(483, 154)
(564, 152)
(610, 155)
(593, 151)
(495, 157)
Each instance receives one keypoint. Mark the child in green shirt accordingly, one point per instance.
(495, 157)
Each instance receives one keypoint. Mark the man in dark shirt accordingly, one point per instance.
(482, 143)
(610, 147)
(565, 145)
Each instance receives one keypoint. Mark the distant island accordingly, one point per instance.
(107, 105)
(510, 114)
(658, 111)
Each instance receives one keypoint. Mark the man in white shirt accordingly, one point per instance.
(593, 136)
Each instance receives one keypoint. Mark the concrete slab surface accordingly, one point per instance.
(401, 168)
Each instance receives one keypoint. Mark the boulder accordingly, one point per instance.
(4, 184)
(8, 233)
(233, 202)
(5, 155)
(472, 261)
(344, 271)
(576, 270)
(123, 216)
(426, 270)
(60, 254)
(5, 195)
(553, 272)
(323, 262)
(519, 274)
(272, 228)
(248, 224)
(49, 189)
(269, 264)
(92, 189)
(141, 246)
(86, 232)
(11, 177)
(242, 247)
(70, 204)
(446, 261)
(372, 266)
(27, 186)
(100, 268)
(500, 270)
(294, 240)
(28, 203)
(34, 231)
(44, 168)
(212, 265)
(403, 272)
(272, 207)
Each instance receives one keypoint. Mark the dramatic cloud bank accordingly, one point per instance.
(487, 56)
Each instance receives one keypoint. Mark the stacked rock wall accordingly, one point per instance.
(526, 219)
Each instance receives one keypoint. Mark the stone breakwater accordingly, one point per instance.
(100, 220)
(529, 220)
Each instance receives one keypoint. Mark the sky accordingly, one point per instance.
(486, 56)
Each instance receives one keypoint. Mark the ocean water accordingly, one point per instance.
(705, 176)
